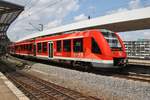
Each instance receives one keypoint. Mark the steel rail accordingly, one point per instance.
(42, 89)
(65, 91)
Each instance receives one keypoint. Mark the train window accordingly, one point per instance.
(95, 47)
(67, 45)
(30, 47)
(78, 45)
(39, 49)
(44, 47)
(26, 47)
(58, 44)
(20, 47)
(23, 47)
(15, 47)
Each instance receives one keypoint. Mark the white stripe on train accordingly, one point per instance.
(76, 59)
(95, 63)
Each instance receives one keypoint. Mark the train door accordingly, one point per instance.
(50, 49)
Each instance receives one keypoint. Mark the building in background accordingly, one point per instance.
(138, 49)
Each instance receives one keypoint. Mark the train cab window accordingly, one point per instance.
(95, 47)
(44, 47)
(67, 45)
(39, 49)
(58, 44)
(112, 40)
(78, 45)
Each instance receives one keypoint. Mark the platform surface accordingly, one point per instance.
(5, 92)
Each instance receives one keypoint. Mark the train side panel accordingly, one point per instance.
(91, 46)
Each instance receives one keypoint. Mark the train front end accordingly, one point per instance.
(117, 48)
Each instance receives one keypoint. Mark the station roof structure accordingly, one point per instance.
(8, 13)
(131, 20)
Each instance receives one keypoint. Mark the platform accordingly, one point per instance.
(8, 91)
(139, 62)
(5, 92)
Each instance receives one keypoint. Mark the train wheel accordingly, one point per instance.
(87, 67)
(120, 70)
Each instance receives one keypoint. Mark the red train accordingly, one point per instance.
(96, 47)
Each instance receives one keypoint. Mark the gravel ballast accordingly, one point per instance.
(105, 87)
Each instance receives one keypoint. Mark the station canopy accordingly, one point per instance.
(8, 13)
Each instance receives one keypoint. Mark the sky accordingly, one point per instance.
(54, 13)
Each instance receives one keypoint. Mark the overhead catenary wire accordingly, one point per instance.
(39, 10)
(33, 5)
(27, 2)
(29, 15)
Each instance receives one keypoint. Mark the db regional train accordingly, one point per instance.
(94, 47)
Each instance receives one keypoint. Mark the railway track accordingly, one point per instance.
(37, 89)
(34, 89)
(126, 75)
(134, 76)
